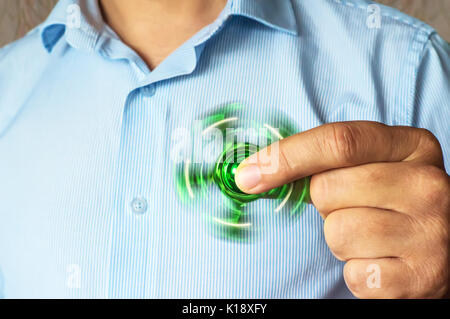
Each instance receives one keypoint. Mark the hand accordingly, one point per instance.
(385, 198)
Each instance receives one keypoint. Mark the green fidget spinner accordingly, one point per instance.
(225, 138)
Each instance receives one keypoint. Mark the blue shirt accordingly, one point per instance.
(88, 205)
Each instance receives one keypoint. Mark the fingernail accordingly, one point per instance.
(248, 177)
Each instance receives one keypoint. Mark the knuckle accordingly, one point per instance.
(343, 142)
(428, 140)
(373, 174)
(429, 145)
(285, 163)
(335, 228)
(384, 226)
(434, 185)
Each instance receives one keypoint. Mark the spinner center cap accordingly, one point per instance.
(225, 171)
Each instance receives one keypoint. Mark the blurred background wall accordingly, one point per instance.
(19, 16)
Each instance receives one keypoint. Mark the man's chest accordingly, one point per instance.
(90, 205)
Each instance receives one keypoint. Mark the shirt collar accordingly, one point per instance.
(81, 20)
(277, 14)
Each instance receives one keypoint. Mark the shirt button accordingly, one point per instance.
(139, 205)
(149, 90)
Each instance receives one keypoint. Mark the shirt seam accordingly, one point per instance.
(422, 43)
(421, 38)
(419, 26)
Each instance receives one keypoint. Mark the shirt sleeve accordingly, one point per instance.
(432, 93)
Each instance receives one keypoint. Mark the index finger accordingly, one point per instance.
(332, 146)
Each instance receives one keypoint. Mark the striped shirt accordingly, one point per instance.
(88, 200)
